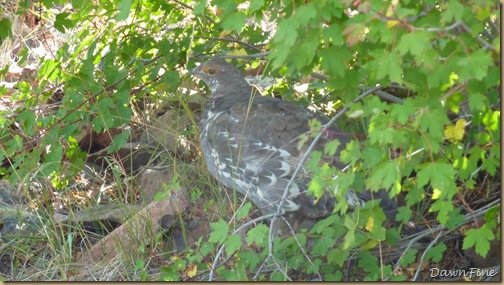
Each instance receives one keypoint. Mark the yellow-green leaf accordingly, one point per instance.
(455, 133)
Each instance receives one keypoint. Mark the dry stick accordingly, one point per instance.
(301, 247)
(425, 253)
(302, 161)
(221, 250)
(256, 55)
(439, 228)
(229, 40)
(379, 93)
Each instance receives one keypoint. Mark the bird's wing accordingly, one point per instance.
(284, 125)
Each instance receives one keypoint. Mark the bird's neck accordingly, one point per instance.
(237, 89)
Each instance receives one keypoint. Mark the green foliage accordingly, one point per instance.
(479, 239)
(5, 28)
(441, 58)
(219, 233)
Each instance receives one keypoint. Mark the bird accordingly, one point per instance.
(251, 143)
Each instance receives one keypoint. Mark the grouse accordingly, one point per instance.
(251, 143)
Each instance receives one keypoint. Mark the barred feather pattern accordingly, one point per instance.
(250, 144)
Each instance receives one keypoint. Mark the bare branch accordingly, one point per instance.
(380, 93)
(256, 55)
(230, 40)
(425, 253)
(481, 40)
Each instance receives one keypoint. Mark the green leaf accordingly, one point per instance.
(368, 262)
(227, 6)
(392, 236)
(403, 214)
(355, 33)
(234, 21)
(244, 210)
(322, 245)
(169, 274)
(415, 43)
(233, 243)
(475, 65)
(306, 50)
(314, 160)
(334, 33)
(305, 13)
(333, 277)
(255, 5)
(124, 7)
(337, 256)
(480, 239)
(334, 60)
(389, 65)
(219, 232)
(344, 182)
(453, 12)
(79, 4)
(283, 41)
(349, 240)
(409, 257)
(321, 225)
(402, 112)
(199, 7)
(384, 176)
(258, 234)
(351, 153)
(5, 29)
(61, 22)
(28, 121)
(331, 147)
(491, 165)
(118, 142)
(440, 175)
(286, 34)
(443, 208)
(436, 253)
(433, 120)
(477, 102)
(249, 259)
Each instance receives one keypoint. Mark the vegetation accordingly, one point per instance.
(429, 133)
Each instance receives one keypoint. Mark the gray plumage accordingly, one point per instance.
(250, 144)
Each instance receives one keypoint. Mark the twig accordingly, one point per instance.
(425, 253)
(445, 29)
(260, 268)
(383, 95)
(302, 161)
(439, 228)
(221, 249)
(313, 144)
(380, 93)
(458, 24)
(301, 247)
(230, 40)
(454, 90)
(191, 8)
(482, 41)
(256, 55)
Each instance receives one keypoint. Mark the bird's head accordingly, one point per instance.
(218, 74)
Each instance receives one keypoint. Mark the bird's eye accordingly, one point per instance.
(212, 70)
